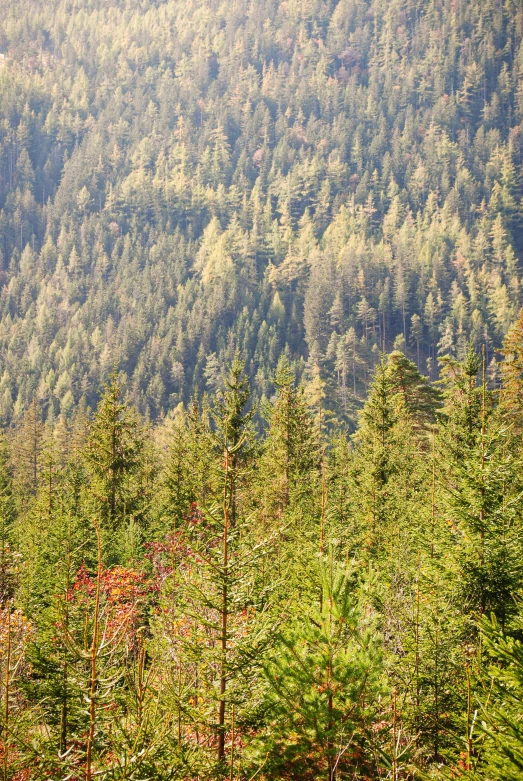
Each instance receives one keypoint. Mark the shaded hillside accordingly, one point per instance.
(181, 178)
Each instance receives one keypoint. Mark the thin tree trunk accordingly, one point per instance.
(433, 494)
(394, 739)
(7, 692)
(65, 674)
(224, 617)
(113, 478)
(469, 714)
(482, 511)
(436, 683)
(93, 659)
(231, 775)
(417, 665)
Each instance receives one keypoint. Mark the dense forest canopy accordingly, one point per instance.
(181, 179)
(261, 390)
(190, 601)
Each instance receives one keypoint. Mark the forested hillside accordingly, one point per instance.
(261, 390)
(192, 602)
(180, 179)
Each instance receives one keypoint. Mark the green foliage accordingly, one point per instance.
(8, 566)
(325, 685)
(291, 447)
(114, 458)
(267, 546)
(503, 752)
(484, 497)
(419, 398)
(179, 181)
(284, 605)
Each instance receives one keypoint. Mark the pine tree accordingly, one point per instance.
(214, 623)
(420, 399)
(290, 449)
(114, 456)
(512, 374)
(482, 490)
(324, 677)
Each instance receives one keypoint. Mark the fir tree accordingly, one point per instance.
(113, 456)
(213, 592)
(325, 684)
(291, 448)
(512, 374)
(482, 490)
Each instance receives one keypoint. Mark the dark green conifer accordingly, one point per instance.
(114, 457)
(325, 686)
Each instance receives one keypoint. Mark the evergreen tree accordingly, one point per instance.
(381, 442)
(502, 749)
(291, 448)
(232, 432)
(113, 456)
(325, 687)
(180, 476)
(512, 374)
(481, 475)
(420, 399)
(215, 622)
(27, 445)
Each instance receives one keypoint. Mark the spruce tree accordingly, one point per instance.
(512, 374)
(501, 695)
(378, 473)
(114, 458)
(481, 481)
(214, 622)
(325, 686)
(288, 490)
(179, 489)
(54, 540)
(290, 451)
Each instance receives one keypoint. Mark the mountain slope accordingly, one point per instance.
(179, 179)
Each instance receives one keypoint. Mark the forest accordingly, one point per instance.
(214, 598)
(261, 390)
(183, 178)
